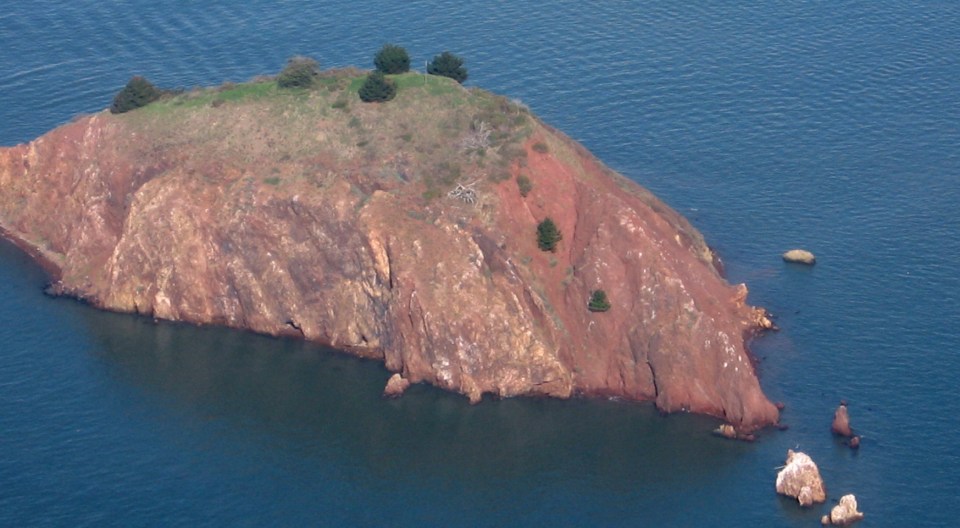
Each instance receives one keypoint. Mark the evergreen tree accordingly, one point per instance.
(448, 65)
(548, 235)
(392, 59)
(138, 92)
(300, 72)
(377, 88)
(598, 301)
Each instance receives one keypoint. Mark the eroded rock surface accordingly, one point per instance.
(284, 219)
(800, 479)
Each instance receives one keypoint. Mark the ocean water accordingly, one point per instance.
(833, 126)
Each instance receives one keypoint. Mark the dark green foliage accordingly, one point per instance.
(448, 65)
(540, 147)
(548, 235)
(138, 92)
(377, 88)
(598, 302)
(392, 59)
(524, 184)
(300, 72)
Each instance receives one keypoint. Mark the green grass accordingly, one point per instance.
(205, 97)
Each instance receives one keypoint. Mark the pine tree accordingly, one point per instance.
(598, 301)
(392, 59)
(448, 65)
(377, 88)
(548, 235)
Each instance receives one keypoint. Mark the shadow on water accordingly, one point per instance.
(315, 401)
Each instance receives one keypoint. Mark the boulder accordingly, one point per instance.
(726, 430)
(800, 478)
(841, 422)
(800, 256)
(396, 386)
(843, 514)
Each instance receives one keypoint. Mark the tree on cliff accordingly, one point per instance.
(448, 65)
(598, 301)
(392, 59)
(300, 72)
(138, 92)
(548, 235)
(377, 88)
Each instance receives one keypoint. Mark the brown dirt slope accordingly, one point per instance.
(309, 212)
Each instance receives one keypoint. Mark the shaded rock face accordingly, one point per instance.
(800, 479)
(844, 513)
(207, 222)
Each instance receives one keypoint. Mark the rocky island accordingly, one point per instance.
(405, 231)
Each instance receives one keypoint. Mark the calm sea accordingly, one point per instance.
(833, 126)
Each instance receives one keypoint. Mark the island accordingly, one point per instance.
(413, 231)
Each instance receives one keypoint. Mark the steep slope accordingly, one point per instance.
(309, 212)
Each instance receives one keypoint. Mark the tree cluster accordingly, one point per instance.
(137, 93)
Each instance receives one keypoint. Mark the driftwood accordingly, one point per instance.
(478, 138)
(465, 193)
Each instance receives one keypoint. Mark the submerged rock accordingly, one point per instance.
(800, 256)
(800, 478)
(843, 514)
(275, 214)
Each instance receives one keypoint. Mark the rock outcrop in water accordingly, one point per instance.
(841, 421)
(844, 513)
(800, 479)
(310, 213)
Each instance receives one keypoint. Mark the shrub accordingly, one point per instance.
(138, 92)
(548, 235)
(392, 59)
(300, 72)
(540, 147)
(524, 184)
(598, 301)
(377, 88)
(448, 65)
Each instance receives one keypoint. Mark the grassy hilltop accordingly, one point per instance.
(435, 132)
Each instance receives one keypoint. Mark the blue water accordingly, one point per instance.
(833, 126)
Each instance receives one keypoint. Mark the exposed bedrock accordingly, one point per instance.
(219, 219)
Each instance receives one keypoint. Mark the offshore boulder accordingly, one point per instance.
(393, 231)
(844, 513)
(800, 479)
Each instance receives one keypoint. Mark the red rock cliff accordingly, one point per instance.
(320, 215)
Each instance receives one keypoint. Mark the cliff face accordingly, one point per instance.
(315, 214)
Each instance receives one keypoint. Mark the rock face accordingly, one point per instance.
(291, 215)
(843, 514)
(800, 478)
(800, 256)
